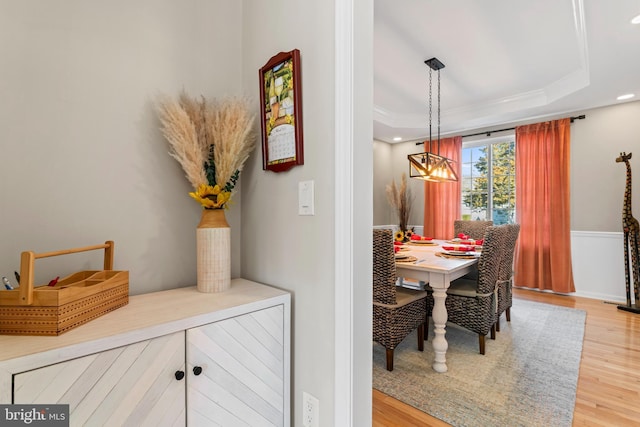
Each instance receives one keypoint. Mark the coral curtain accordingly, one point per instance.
(543, 257)
(442, 199)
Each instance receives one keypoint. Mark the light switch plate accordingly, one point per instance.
(306, 198)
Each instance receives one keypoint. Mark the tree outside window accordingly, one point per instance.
(488, 181)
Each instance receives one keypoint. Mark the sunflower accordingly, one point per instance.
(399, 236)
(408, 233)
(211, 197)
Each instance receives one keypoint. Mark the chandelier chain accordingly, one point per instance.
(438, 111)
(430, 104)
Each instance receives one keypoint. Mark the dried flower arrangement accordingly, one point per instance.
(400, 199)
(211, 139)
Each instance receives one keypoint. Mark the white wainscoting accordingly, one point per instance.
(598, 265)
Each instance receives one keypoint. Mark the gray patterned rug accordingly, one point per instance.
(528, 376)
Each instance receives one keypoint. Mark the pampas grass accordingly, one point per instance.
(211, 139)
(400, 199)
(231, 131)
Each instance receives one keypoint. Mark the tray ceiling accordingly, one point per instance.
(505, 61)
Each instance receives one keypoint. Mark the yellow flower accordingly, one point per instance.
(211, 197)
(399, 236)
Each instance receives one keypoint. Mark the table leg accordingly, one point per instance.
(439, 316)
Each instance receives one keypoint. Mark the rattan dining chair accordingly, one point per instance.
(472, 304)
(397, 311)
(474, 229)
(505, 276)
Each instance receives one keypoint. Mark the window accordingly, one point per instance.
(489, 180)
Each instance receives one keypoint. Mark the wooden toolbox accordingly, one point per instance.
(71, 302)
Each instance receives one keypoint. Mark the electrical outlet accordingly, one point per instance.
(310, 410)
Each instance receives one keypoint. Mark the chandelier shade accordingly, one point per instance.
(431, 166)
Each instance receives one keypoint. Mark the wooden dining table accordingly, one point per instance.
(438, 272)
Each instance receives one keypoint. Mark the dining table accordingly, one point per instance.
(430, 266)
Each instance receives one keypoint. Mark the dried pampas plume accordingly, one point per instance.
(400, 199)
(211, 139)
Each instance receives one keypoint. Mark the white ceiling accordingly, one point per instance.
(505, 61)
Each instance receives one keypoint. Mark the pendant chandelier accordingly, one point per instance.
(431, 166)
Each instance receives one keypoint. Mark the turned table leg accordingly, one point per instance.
(439, 316)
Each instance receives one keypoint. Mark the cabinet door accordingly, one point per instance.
(242, 378)
(133, 385)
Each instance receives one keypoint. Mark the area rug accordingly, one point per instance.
(528, 376)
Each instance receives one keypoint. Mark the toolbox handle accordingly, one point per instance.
(28, 257)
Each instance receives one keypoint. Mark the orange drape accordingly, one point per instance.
(442, 199)
(543, 258)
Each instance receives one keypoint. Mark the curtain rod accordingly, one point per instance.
(488, 133)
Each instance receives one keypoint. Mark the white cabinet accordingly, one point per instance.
(242, 372)
(132, 385)
(126, 367)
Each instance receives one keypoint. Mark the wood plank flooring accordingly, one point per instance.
(609, 381)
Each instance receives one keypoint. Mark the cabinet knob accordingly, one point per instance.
(197, 370)
(179, 375)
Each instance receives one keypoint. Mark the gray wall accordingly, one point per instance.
(383, 214)
(597, 181)
(283, 248)
(83, 159)
(294, 252)
(390, 162)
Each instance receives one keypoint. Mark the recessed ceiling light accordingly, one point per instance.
(397, 138)
(627, 96)
(636, 20)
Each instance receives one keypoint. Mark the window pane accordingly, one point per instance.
(483, 182)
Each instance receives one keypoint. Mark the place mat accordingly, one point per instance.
(403, 249)
(427, 243)
(410, 259)
(443, 255)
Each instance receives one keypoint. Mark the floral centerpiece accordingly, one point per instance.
(211, 139)
(400, 199)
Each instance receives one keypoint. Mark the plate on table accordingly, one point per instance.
(461, 253)
(458, 243)
(422, 242)
(402, 256)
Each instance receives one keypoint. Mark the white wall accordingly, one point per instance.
(83, 160)
(598, 265)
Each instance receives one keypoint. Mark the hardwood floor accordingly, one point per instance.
(609, 381)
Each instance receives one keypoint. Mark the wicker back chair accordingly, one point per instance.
(396, 311)
(472, 304)
(474, 229)
(505, 276)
